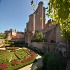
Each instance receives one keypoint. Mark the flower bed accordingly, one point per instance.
(30, 58)
(3, 66)
(15, 62)
(22, 52)
(25, 60)
(12, 62)
(32, 54)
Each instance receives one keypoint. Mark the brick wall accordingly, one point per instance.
(37, 19)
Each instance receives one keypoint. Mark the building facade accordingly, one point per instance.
(14, 35)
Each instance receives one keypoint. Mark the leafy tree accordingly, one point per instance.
(59, 10)
(39, 37)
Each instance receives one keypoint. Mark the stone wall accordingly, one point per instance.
(37, 44)
(50, 47)
(37, 19)
(36, 22)
(40, 17)
(28, 37)
(30, 25)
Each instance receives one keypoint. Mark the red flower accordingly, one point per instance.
(3, 66)
(25, 60)
(15, 62)
(32, 54)
(30, 58)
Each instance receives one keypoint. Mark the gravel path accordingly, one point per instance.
(26, 68)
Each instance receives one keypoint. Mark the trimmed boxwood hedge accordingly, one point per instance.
(6, 56)
(20, 65)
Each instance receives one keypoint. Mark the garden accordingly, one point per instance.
(14, 60)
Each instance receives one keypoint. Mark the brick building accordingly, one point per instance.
(10, 34)
(52, 32)
(14, 35)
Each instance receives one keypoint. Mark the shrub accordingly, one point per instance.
(38, 37)
(51, 62)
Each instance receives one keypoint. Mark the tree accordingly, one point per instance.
(39, 37)
(59, 10)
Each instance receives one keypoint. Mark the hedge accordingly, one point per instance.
(52, 62)
(21, 64)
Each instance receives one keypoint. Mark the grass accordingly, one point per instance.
(8, 57)
(20, 54)
(7, 44)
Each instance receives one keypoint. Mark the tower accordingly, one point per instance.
(40, 17)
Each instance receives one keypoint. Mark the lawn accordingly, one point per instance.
(14, 59)
(7, 56)
(22, 54)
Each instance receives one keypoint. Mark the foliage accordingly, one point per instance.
(59, 10)
(7, 42)
(3, 36)
(66, 32)
(13, 62)
(16, 43)
(20, 53)
(52, 62)
(38, 37)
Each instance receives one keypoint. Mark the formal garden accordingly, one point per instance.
(16, 58)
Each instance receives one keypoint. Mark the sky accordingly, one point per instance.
(14, 14)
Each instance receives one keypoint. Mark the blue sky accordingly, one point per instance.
(14, 14)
